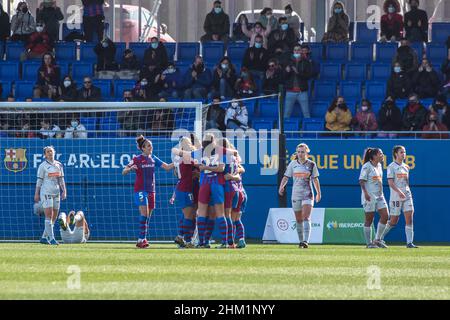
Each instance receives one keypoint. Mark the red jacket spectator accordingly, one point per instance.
(391, 21)
(365, 119)
(434, 125)
(39, 43)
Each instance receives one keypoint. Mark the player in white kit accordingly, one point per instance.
(80, 233)
(50, 190)
(372, 197)
(305, 174)
(400, 195)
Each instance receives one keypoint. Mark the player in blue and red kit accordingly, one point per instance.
(239, 205)
(144, 185)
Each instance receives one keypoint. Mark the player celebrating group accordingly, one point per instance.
(144, 186)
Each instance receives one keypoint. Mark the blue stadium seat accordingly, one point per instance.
(120, 48)
(385, 52)
(67, 28)
(436, 52)
(376, 106)
(375, 91)
(14, 50)
(110, 126)
(251, 108)
(351, 90)
(330, 71)
(440, 32)
(380, 71)
(291, 125)
(139, 49)
(316, 49)
(9, 70)
(351, 31)
(171, 48)
(401, 103)
(121, 85)
(319, 108)
(337, 52)
(30, 70)
(24, 89)
(236, 51)
(313, 124)
(262, 124)
(356, 72)
(65, 51)
(427, 102)
(6, 86)
(90, 124)
(268, 108)
(212, 52)
(418, 47)
(186, 51)
(64, 68)
(361, 52)
(364, 34)
(105, 87)
(324, 90)
(82, 69)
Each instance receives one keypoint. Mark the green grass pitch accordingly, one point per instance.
(119, 271)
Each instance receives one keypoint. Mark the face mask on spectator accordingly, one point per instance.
(337, 10)
(412, 101)
(391, 9)
(297, 55)
(39, 29)
(144, 83)
(397, 69)
(24, 9)
(105, 44)
(154, 45)
(74, 124)
(234, 105)
(170, 70)
(284, 26)
(244, 75)
(224, 66)
(67, 83)
(258, 45)
(364, 108)
(218, 10)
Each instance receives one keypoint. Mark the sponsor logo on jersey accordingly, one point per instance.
(15, 160)
(54, 174)
(303, 175)
(402, 175)
(376, 178)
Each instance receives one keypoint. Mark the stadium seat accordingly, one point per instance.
(330, 71)
(427, 102)
(139, 49)
(351, 90)
(351, 31)
(87, 53)
(380, 71)
(361, 52)
(186, 51)
(14, 50)
(9, 70)
(120, 48)
(291, 125)
(251, 108)
(364, 34)
(268, 108)
(418, 47)
(24, 89)
(324, 91)
(121, 85)
(337, 52)
(6, 86)
(212, 52)
(376, 107)
(440, 32)
(385, 52)
(105, 87)
(313, 124)
(65, 51)
(375, 91)
(356, 72)
(436, 52)
(67, 28)
(82, 69)
(236, 51)
(316, 49)
(319, 108)
(109, 127)
(262, 124)
(171, 48)
(90, 124)
(30, 70)
(64, 68)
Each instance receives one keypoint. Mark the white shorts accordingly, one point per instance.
(374, 204)
(396, 207)
(50, 201)
(73, 236)
(298, 204)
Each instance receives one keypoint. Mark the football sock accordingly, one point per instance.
(300, 230)
(201, 226)
(223, 228)
(240, 231)
(306, 230)
(230, 236)
(386, 230)
(368, 234)
(380, 230)
(210, 223)
(181, 227)
(188, 229)
(142, 228)
(409, 230)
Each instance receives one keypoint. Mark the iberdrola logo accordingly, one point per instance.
(332, 225)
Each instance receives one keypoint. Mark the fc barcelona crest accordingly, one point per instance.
(15, 160)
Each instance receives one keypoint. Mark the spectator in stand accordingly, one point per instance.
(37, 93)
(273, 78)
(129, 61)
(215, 118)
(150, 72)
(338, 116)
(283, 37)
(257, 30)
(141, 91)
(338, 23)
(49, 131)
(236, 116)
(433, 124)
(49, 77)
(245, 86)
(282, 57)
(426, 81)
(129, 120)
(106, 55)
(93, 19)
(51, 15)
(156, 55)
(365, 119)
(296, 75)
(197, 80)
(446, 71)
(38, 43)
(162, 121)
(224, 78)
(407, 57)
(293, 21)
(414, 115)
(68, 90)
(391, 22)
(306, 53)
(76, 130)
(389, 119)
(25, 127)
(217, 25)
(22, 23)
(89, 92)
(399, 85)
(238, 34)
(416, 23)
(267, 19)
(255, 58)
(441, 108)
(5, 28)
(171, 82)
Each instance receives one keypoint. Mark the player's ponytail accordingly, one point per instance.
(140, 142)
(370, 153)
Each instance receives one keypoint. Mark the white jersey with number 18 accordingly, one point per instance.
(399, 173)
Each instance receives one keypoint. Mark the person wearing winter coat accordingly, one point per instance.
(414, 115)
(106, 55)
(197, 80)
(171, 82)
(224, 78)
(156, 54)
(389, 118)
(426, 81)
(338, 23)
(51, 15)
(416, 23)
(23, 23)
(400, 85)
(391, 22)
(236, 116)
(216, 25)
(365, 119)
